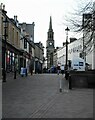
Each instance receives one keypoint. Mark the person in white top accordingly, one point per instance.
(62, 69)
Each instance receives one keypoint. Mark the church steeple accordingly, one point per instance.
(50, 24)
(50, 45)
(50, 30)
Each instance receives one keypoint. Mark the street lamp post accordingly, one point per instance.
(66, 65)
(14, 66)
(5, 39)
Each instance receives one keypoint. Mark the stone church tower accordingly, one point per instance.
(50, 45)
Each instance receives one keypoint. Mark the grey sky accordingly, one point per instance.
(39, 11)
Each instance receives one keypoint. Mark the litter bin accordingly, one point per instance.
(23, 72)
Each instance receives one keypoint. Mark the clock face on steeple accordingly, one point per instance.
(50, 43)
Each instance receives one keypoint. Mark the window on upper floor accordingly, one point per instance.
(2, 30)
(13, 35)
(25, 44)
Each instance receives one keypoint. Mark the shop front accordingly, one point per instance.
(11, 60)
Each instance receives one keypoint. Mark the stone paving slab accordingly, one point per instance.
(67, 106)
(38, 96)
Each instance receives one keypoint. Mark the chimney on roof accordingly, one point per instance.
(1, 6)
(15, 19)
(4, 7)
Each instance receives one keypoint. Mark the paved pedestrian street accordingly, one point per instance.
(38, 96)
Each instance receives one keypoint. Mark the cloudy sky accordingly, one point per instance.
(39, 11)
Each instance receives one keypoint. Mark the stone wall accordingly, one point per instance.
(82, 79)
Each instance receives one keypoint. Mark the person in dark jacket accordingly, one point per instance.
(58, 69)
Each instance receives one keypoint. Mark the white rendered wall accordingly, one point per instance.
(74, 50)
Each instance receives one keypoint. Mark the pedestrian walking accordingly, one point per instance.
(62, 69)
(58, 69)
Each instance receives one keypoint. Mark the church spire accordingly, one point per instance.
(50, 24)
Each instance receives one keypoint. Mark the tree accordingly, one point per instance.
(82, 22)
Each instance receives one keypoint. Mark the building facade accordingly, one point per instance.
(17, 43)
(10, 41)
(28, 44)
(75, 49)
(39, 57)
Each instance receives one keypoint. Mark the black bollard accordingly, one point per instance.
(4, 75)
(15, 74)
(60, 90)
(66, 75)
(26, 71)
